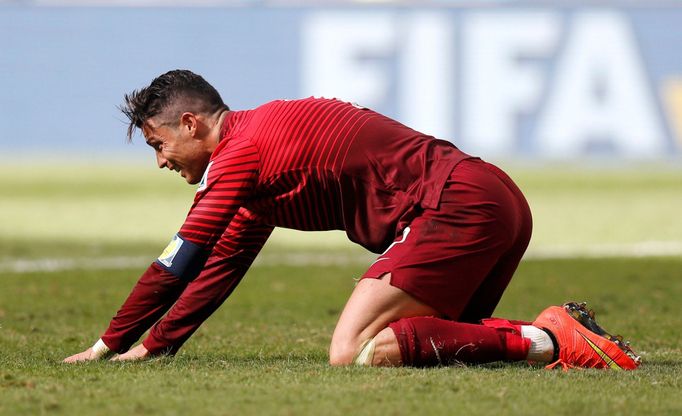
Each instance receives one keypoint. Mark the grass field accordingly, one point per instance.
(264, 351)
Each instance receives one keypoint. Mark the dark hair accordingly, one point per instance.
(179, 89)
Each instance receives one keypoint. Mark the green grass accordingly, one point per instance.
(53, 209)
(588, 207)
(265, 350)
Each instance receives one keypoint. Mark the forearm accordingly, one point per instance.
(222, 272)
(154, 293)
(199, 300)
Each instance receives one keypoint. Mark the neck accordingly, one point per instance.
(216, 127)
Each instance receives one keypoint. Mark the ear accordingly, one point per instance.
(189, 123)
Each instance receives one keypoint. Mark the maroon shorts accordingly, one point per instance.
(459, 258)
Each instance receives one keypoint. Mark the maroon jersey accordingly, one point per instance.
(312, 164)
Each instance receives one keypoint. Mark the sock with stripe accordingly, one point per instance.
(428, 341)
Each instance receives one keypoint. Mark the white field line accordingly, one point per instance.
(636, 250)
(63, 264)
(641, 249)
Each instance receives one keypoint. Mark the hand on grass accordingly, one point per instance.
(86, 355)
(135, 353)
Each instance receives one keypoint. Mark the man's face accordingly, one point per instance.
(177, 149)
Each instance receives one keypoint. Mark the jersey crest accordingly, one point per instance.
(204, 179)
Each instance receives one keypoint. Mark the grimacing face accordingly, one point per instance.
(177, 149)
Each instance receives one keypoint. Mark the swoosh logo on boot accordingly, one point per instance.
(604, 356)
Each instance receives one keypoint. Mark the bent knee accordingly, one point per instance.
(384, 351)
(344, 354)
(345, 351)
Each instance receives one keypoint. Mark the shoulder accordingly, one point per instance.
(235, 147)
(307, 102)
(235, 161)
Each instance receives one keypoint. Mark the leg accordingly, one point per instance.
(488, 294)
(407, 333)
(372, 306)
(427, 341)
(478, 234)
(486, 297)
(387, 350)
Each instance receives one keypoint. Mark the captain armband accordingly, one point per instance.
(182, 258)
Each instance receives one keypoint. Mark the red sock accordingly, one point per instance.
(428, 341)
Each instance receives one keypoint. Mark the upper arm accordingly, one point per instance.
(229, 182)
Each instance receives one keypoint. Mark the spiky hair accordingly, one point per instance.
(178, 90)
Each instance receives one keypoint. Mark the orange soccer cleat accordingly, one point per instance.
(582, 342)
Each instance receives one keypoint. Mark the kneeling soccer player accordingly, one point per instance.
(451, 230)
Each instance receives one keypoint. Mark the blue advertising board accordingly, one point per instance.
(504, 81)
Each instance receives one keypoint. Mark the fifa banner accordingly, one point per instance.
(505, 80)
(537, 82)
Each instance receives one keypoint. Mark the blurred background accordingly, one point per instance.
(581, 101)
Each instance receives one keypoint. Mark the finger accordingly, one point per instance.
(75, 358)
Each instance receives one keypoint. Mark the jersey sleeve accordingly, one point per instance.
(230, 259)
(150, 298)
(227, 184)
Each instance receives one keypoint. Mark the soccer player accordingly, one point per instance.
(449, 227)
